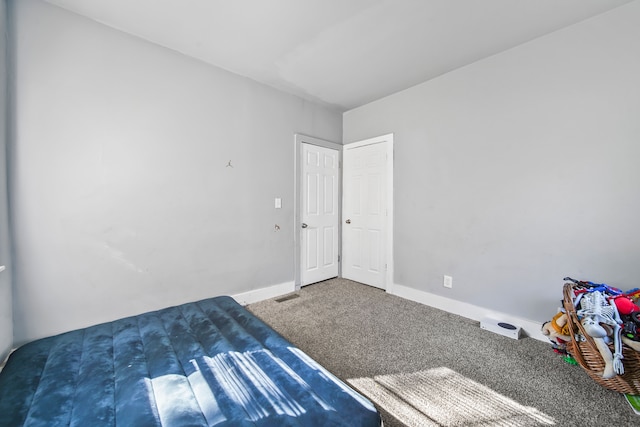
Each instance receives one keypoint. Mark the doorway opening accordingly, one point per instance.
(317, 210)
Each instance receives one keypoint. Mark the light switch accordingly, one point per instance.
(278, 203)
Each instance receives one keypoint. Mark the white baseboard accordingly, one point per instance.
(261, 294)
(470, 311)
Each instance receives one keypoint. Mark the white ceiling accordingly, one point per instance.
(344, 53)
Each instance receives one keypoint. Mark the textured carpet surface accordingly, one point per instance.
(365, 336)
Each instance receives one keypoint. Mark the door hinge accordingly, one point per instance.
(338, 258)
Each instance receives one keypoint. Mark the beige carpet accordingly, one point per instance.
(425, 367)
(442, 397)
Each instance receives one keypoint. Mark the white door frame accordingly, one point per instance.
(388, 139)
(297, 206)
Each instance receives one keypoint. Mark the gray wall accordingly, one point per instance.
(520, 169)
(6, 317)
(123, 201)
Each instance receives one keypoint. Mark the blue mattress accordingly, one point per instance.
(207, 363)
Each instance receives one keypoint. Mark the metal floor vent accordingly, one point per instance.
(287, 297)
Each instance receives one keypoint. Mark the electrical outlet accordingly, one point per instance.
(447, 282)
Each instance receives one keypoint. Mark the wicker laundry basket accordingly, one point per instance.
(587, 355)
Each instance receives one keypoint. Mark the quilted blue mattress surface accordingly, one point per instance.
(207, 363)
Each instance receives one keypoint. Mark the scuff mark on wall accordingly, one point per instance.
(121, 258)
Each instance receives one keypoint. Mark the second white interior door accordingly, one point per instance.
(365, 221)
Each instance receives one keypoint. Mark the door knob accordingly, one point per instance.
(348, 221)
(304, 225)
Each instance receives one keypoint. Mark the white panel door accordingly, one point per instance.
(364, 231)
(320, 215)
